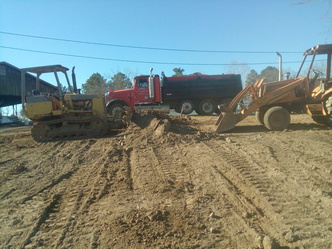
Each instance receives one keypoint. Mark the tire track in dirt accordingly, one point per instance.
(107, 176)
(273, 186)
(173, 168)
(268, 194)
(143, 172)
(177, 189)
(33, 203)
(49, 186)
(75, 202)
(308, 177)
(240, 199)
(153, 167)
(28, 219)
(43, 217)
(308, 170)
(150, 162)
(53, 229)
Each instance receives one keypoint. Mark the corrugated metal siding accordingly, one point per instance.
(10, 83)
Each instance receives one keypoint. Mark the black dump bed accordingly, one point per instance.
(201, 87)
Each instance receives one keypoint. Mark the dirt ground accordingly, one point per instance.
(169, 182)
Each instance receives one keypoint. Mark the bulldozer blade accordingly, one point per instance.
(227, 121)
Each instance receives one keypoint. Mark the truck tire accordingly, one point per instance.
(116, 109)
(206, 107)
(277, 118)
(187, 106)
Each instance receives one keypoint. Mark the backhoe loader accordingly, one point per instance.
(274, 102)
(67, 115)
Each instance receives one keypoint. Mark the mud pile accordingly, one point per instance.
(169, 182)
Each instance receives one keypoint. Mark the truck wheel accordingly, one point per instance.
(187, 106)
(277, 118)
(259, 115)
(115, 110)
(197, 110)
(206, 107)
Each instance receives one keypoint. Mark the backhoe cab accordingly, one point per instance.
(273, 102)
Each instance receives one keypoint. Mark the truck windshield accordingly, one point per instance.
(142, 83)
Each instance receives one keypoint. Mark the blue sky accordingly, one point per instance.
(213, 25)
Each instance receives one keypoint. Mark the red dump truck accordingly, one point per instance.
(200, 93)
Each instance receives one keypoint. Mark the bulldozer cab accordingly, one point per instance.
(37, 104)
(46, 69)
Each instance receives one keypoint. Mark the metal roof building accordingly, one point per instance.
(10, 85)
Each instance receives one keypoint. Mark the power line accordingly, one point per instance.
(145, 62)
(147, 48)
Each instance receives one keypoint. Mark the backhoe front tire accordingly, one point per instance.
(259, 115)
(277, 118)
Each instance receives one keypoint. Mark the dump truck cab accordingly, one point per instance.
(145, 90)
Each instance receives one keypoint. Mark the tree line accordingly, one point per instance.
(97, 84)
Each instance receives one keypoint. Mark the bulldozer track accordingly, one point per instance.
(69, 128)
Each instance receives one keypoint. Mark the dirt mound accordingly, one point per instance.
(169, 182)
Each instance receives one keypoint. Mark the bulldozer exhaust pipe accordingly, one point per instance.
(73, 76)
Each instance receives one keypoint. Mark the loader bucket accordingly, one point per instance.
(226, 121)
(229, 117)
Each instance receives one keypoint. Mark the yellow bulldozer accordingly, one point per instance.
(61, 115)
(274, 102)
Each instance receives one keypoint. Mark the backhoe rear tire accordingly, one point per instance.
(277, 118)
(328, 108)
